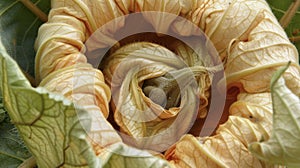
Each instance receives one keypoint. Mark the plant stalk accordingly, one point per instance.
(12, 156)
(289, 14)
(34, 9)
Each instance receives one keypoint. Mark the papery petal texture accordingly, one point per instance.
(251, 44)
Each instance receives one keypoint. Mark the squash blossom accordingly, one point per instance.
(137, 71)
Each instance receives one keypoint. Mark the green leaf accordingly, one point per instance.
(283, 147)
(49, 124)
(279, 8)
(2, 110)
(12, 149)
(18, 30)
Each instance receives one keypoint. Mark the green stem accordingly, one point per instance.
(7, 8)
(12, 156)
(289, 14)
(34, 9)
(281, 11)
